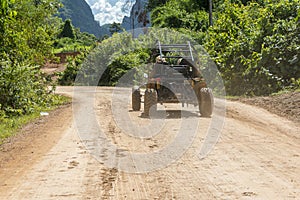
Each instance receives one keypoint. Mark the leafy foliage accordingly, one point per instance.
(67, 77)
(115, 28)
(152, 4)
(67, 30)
(254, 43)
(258, 52)
(123, 63)
(22, 89)
(184, 16)
(27, 30)
(81, 42)
(81, 15)
(180, 14)
(122, 54)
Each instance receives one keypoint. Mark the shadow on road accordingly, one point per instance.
(170, 114)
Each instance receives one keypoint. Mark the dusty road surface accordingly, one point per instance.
(257, 155)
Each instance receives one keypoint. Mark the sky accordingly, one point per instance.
(109, 11)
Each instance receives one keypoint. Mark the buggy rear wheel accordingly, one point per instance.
(206, 102)
(136, 99)
(150, 101)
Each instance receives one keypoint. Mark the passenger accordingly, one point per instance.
(160, 60)
(179, 61)
(195, 71)
(157, 68)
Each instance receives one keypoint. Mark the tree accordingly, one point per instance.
(253, 42)
(27, 30)
(115, 28)
(152, 4)
(185, 14)
(26, 39)
(104, 37)
(210, 12)
(256, 46)
(67, 30)
(5, 14)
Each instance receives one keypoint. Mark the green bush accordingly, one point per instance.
(117, 55)
(123, 63)
(23, 89)
(67, 30)
(67, 77)
(255, 44)
(83, 43)
(256, 47)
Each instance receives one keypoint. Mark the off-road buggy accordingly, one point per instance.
(174, 78)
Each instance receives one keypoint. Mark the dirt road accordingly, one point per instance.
(257, 155)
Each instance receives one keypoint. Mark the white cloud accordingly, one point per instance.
(109, 11)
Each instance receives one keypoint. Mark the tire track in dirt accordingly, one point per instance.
(161, 184)
(237, 168)
(268, 150)
(257, 157)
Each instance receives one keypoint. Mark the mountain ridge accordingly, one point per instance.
(139, 16)
(81, 16)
